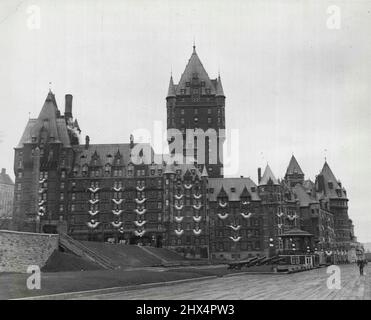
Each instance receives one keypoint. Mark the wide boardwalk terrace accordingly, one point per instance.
(299, 286)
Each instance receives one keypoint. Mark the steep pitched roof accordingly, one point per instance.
(328, 177)
(293, 167)
(239, 184)
(26, 136)
(303, 196)
(49, 109)
(219, 88)
(5, 178)
(48, 120)
(327, 173)
(171, 91)
(268, 175)
(104, 151)
(194, 66)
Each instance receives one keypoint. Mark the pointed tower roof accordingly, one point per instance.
(328, 177)
(49, 109)
(194, 66)
(219, 88)
(204, 172)
(293, 167)
(171, 91)
(268, 175)
(49, 121)
(328, 174)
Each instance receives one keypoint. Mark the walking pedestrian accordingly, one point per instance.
(361, 264)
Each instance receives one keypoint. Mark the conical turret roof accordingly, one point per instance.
(293, 167)
(171, 91)
(219, 88)
(268, 175)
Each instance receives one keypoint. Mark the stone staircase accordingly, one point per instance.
(79, 249)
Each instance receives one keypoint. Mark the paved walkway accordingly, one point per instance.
(299, 286)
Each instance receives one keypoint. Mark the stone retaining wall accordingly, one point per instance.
(18, 250)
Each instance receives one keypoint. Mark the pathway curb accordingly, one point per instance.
(87, 293)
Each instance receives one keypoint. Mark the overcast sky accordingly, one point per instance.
(295, 81)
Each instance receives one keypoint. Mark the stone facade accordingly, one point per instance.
(19, 250)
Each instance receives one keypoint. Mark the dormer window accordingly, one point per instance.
(233, 189)
(202, 83)
(330, 185)
(182, 91)
(253, 189)
(84, 170)
(208, 91)
(188, 84)
(107, 169)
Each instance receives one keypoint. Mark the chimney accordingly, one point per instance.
(259, 175)
(68, 106)
(87, 142)
(3, 171)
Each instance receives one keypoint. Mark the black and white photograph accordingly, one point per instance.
(199, 151)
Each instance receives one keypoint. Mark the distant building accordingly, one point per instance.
(6, 195)
(98, 192)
